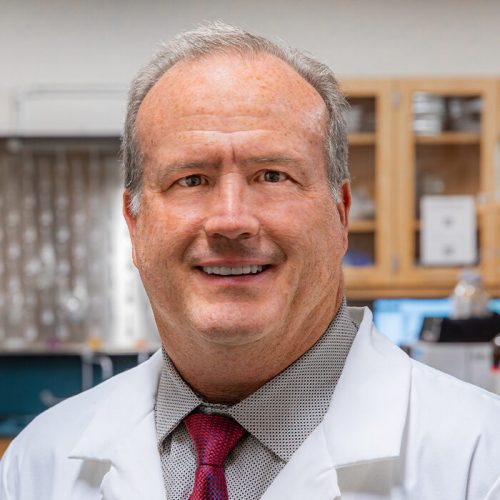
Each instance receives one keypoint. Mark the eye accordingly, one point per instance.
(273, 176)
(192, 181)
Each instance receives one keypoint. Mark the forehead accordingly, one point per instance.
(229, 90)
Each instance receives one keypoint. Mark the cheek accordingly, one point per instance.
(158, 263)
(313, 225)
(326, 242)
(155, 246)
(311, 236)
(162, 227)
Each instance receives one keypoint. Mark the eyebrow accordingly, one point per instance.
(247, 161)
(271, 159)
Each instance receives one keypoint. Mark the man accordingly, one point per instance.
(237, 200)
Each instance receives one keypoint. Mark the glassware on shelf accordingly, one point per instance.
(464, 113)
(15, 304)
(74, 304)
(361, 250)
(353, 118)
(59, 246)
(46, 275)
(433, 113)
(429, 113)
(360, 115)
(363, 205)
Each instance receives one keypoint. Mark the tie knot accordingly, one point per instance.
(214, 436)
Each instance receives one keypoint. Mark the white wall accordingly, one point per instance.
(56, 42)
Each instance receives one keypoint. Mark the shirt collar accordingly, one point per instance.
(174, 400)
(284, 411)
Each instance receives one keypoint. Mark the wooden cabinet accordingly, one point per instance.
(498, 118)
(4, 443)
(367, 262)
(408, 139)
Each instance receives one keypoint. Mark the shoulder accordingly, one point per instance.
(64, 420)
(452, 412)
(453, 425)
(53, 434)
(449, 393)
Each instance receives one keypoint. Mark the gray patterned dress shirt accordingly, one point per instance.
(278, 417)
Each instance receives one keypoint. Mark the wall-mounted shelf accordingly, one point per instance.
(362, 226)
(362, 139)
(449, 138)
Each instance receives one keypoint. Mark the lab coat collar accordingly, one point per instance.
(367, 416)
(365, 421)
(122, 434)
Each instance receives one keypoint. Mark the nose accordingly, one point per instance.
(231, 214)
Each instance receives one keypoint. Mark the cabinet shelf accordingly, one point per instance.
(362, 138)
(449, 138)
(362, 226)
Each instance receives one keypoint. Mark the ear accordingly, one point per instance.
(131, 221)
(343, 207)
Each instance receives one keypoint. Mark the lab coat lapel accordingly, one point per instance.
(122, 435)
(136, 468)
(308, 474)
(367, 417)
(364, 423)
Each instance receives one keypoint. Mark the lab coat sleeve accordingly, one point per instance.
(9, 478)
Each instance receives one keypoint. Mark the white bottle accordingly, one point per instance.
(469, 298)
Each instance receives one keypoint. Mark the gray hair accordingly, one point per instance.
(219, 38)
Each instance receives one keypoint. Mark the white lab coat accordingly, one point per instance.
(395, 429)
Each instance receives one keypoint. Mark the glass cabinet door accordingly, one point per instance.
(368, 118)
(444, 176)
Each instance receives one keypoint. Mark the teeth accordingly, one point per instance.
(232, 271)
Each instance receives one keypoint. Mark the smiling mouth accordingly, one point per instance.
(233, 271)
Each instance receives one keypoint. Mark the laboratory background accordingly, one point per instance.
(423, 82)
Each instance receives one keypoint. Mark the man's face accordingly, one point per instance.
(238, 239)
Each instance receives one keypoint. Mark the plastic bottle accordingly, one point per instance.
(469, 298)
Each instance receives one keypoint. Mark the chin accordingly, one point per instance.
(230, 334)
(230, 325)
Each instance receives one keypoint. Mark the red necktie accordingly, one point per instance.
(214, 436)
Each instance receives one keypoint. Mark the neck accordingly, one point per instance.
(229, 374)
